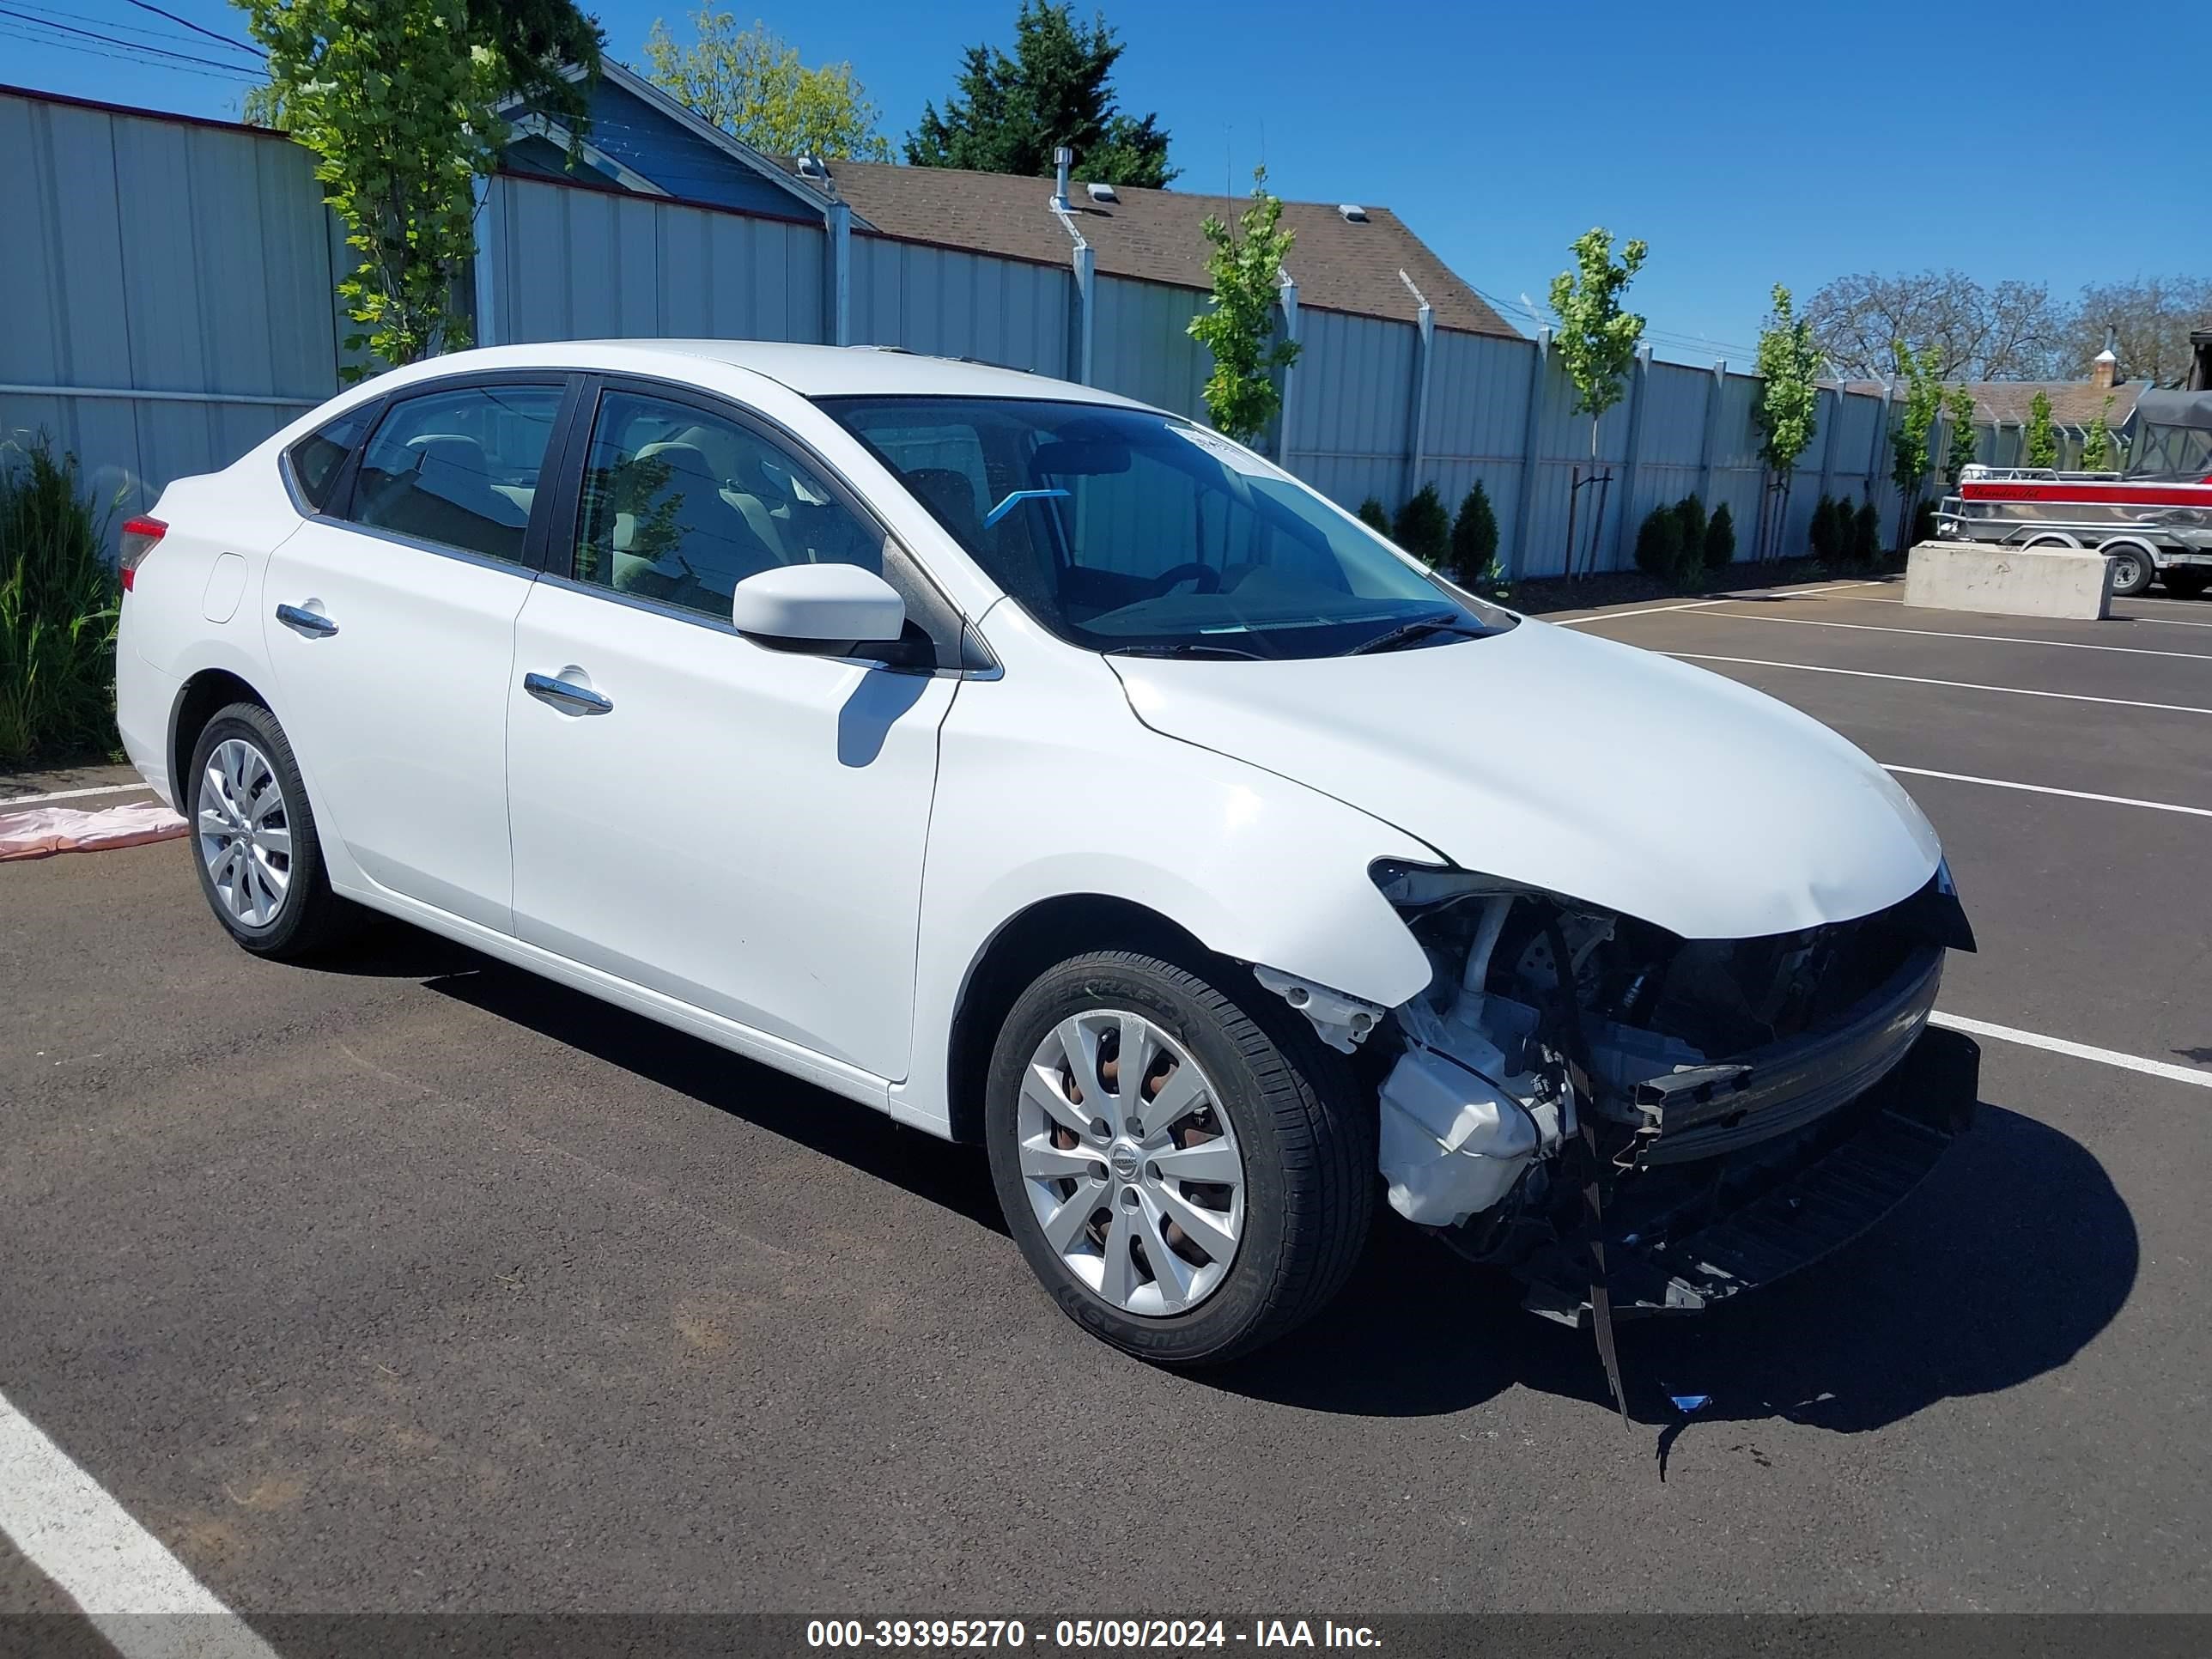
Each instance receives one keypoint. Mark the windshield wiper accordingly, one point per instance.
(1184, 648)
(1407, 633)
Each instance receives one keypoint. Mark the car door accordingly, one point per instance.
(389, 624)
(735, 825)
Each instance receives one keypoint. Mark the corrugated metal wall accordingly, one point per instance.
(1351, 406)
(155, 256)
(579, 264)
(1141, 347)
(1479, 423)
(148, 255)
(952, 304)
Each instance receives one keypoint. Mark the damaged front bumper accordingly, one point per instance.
(1685, 1237)
(1619, 1115)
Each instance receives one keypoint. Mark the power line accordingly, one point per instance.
(127, 29)
(235, 76)
(196, 28)
(110, 40)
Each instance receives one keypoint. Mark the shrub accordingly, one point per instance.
(1924, 522)
(1691, 512)
(1659, 544)
(1824, 538)
(57, 609)
(1424, 527)
(1866, 533)
(1372, 515)
(1475, 536)
(1720, 539)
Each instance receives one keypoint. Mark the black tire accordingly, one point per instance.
(2134, 569)
(1308, 1142)
(2186, 584)
(311, 919)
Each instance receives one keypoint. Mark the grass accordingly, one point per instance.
(57, 611)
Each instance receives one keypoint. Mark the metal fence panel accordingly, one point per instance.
(1477, 417)
(1351, 412)
(952, 304)
(1141, 346)
(149, 255)
(577, 263)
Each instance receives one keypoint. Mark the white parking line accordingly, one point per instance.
(1938, 634)
(75, 795)
(1651, 610)
(1918, 679)
(2165, 621)
(2166, 1069)
(2046, 789)
(131, 1589)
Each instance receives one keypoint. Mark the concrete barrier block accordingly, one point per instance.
(2012, 581)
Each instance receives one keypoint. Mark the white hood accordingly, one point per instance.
(1590, 768)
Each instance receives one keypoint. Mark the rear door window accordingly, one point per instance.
(459, 466)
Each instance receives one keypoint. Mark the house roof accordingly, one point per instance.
(1153, 235)
(2072, 403)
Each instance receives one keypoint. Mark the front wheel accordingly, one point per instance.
(1190, 1177)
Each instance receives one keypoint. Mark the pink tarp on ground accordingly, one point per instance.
(41, 830)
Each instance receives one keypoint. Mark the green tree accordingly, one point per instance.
(1597, 337)
(1958, 406)
(750, 83)
(1787, 413)
(532, 42)
(1475, 535)
(2042, 437)
(1239, 327)
(1913, 430)
(1374, 515)
(1011, 113)
(2097, 444)
(1423, 526)
(398, 101)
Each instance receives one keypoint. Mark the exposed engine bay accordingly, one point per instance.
(1562, 1061)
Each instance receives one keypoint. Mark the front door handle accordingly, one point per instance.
(566, 694)
(312, 623)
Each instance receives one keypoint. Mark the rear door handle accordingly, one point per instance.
(312, 623)
(566, 694)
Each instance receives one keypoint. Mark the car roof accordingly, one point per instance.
(816, 370)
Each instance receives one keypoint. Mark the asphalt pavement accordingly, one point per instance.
(425, 1285)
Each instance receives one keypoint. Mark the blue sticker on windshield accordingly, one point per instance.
(1006, 506)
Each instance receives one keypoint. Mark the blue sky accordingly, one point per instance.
(1748, 144)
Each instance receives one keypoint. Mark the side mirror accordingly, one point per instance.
(817, 606)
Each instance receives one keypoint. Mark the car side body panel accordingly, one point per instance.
(1050, 787)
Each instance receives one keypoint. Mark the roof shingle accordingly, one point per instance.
(1153, 235)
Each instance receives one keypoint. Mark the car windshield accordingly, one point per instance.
(1123, 531)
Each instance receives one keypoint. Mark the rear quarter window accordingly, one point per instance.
(318, 459)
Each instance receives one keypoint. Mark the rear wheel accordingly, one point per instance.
(2186, 584)
(1189, 1177)
(253, 839)
(2132, 566)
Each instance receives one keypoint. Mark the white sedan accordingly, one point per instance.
(1047, 771)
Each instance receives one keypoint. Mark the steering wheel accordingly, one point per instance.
(1208, 579)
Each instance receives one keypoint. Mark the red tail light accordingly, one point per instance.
(140, 538)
